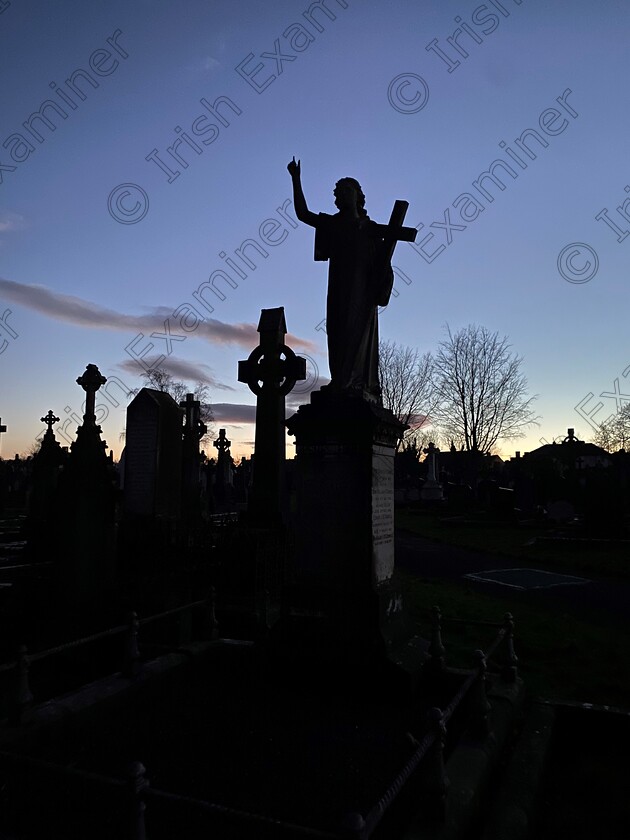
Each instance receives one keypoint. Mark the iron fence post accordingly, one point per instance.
(21, 697)
(436, 780)
(137, 784)
(510, 671)
(131, 655)
(437, 661)
(479, 705)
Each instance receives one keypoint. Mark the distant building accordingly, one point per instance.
(571, 454)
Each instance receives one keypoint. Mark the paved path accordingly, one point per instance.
(439, 561)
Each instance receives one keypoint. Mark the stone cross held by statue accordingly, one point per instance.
(91, 380)
(394, 231)
(271, 372)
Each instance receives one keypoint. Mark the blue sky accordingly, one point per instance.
(358, 95)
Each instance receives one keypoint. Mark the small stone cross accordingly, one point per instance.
(193, 427)
(91, 380)
(49, 420)
(222, 444)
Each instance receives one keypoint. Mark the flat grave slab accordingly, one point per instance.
(526, 578)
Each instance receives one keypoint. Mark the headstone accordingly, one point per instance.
(271, 371)
(153, 456)
(43, 500)
(223, 472)
(431, 489)
(253, 575)
(194, 430)
(87, 511)
(242, 480)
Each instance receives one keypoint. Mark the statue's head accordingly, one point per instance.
(348, 192)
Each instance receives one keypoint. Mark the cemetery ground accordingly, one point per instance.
(573, 639)
(564, 656)
(534, 543)
(573, 658)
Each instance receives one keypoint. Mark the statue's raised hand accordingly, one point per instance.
(294, 168)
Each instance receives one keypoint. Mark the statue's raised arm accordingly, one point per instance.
(299, 202)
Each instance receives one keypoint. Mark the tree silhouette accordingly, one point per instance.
(481, 390)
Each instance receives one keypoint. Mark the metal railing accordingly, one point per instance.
(431, 748)
(426, 764)
(20, 695)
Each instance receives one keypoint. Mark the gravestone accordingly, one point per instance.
(253, 574)
(271, 372)
(194, 430)
(432, 489)
(87, 491)
(43, 498)
(223, 472)
(153, 456)
(242, 480)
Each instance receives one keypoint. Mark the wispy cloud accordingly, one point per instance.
(233, 413)
(204, 66)
(10, 222)
(85, 313)
(209, 63)
(181, 369)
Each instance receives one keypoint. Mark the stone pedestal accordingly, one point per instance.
(342, 593)
(432, 489)
(86, 521)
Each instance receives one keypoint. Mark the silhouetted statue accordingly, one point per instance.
(360, 278)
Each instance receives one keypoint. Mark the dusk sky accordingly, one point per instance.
(505, 126)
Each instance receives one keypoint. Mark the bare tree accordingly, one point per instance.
(614, 434)
(406, 379)
(482, 392)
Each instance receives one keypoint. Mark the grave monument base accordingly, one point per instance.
(342, 598)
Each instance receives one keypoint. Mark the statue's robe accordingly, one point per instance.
(359, 280)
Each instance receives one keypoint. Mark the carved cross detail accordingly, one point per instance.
(222, 444)
(272, 368)
(91, 380)
(49, 420)
(270, 372)
(193, 425)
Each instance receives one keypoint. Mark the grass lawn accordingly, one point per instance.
(515, 540)
(561, 657)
